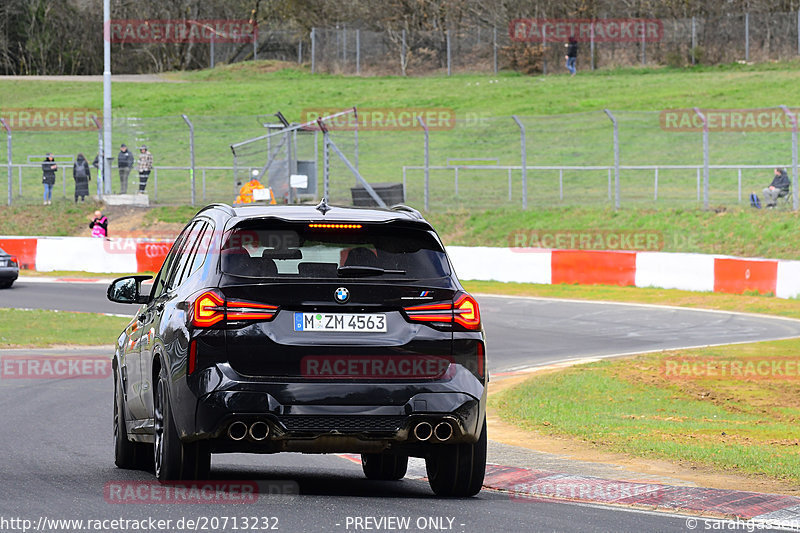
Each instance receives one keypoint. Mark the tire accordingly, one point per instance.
(6, 284)
(457, 469)
(174, 460)
(384, 466)
(128, 455)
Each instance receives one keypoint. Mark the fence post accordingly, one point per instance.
(524, 160)
(100, 159)
(616, 157)
(255, 42)
(591, 42)
(313, 49)
(403, 54)
(544, 46)
(644, 46)
(456, 182)
(204, 185)
(740, 184)
(561, 184)
(325, 167)
(494, 48)
(793, 121)
(211, 51)
(655, 186)
(355, 138)
(300, 51)
(427, 160)
(449, 68)
(155, 184)
(747, 36)
(694, 39)
(191, 152)
(705, 156)
(358, 52)
(8, 153)
(798, 32)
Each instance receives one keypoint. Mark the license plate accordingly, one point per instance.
(2, 262)
(361, 323)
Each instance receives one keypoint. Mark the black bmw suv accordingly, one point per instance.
(303, 329)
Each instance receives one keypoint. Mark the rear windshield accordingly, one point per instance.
(334, 251)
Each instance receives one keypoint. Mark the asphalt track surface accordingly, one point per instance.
(57, 455)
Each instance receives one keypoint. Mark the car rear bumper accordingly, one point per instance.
(337, 417)
(8, 274)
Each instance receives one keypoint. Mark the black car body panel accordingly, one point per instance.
(9, 269)
(223, 324)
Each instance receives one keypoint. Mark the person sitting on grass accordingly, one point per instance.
(777, 189)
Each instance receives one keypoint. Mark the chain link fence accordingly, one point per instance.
(476, 162)
(475, 48)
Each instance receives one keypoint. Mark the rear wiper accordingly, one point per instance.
(364, 271)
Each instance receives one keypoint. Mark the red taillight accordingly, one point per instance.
(239, 310)
(13, 261)
(335, 226)
(210, 308)
(464, 312)
(430, 313)
(467, 313)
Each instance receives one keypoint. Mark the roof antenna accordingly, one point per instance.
(323, 206)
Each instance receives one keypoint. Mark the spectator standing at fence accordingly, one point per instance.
(81, 175)
(125, 164)
(572, 55)
(145, 167)
(778, 188)
(99, 224)
(49, 168)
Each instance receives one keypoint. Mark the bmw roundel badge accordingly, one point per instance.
(342, 295)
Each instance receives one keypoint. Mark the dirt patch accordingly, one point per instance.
(502, 431)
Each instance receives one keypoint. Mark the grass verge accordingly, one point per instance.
(39, 328)
(741, 303)
(743, 423)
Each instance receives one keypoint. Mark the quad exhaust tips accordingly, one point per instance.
(443, 431)
(258, 431)
(237, 431)
(423, 431)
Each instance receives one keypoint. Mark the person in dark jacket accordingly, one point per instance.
(778, 188)
(49, 168)
(125, 164)
(572, 55)
(81, 175)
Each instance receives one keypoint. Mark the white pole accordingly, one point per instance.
(106, 155)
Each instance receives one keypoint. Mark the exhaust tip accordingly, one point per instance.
(237, 430)
(443, 431)
(258, 430)
(423, 431)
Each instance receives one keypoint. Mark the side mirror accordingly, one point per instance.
(127, 290)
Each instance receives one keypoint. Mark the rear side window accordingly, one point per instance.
(332, 251)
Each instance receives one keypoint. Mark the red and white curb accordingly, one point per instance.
(691, 272)
(526, 485)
